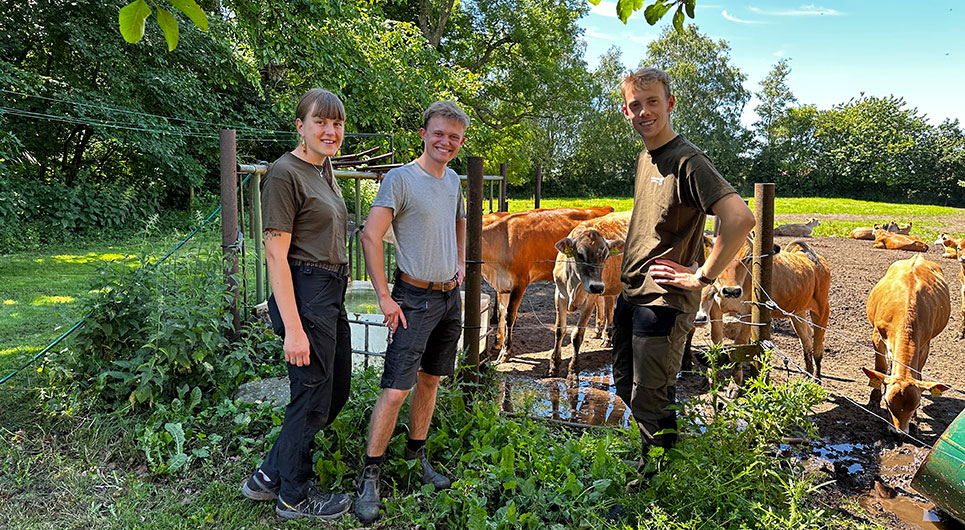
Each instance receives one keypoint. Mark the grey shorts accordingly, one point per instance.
(429, 341)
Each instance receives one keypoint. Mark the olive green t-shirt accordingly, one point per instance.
(304, 200)
(675, 186)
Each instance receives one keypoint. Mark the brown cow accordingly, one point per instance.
(904, 229)
(907, 308)
(518, 249)
(894, 241)
(800, 281)
(949, 244)
(587, 268)
(868, 233)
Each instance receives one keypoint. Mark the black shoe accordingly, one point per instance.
(429, 475)
(316, 504)
(367, 496)
(259, 487)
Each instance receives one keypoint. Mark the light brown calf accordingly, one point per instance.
(907, 308)
(893, 241)
(797, 229)
(800, 281)
(949, 245)
(518, 249)
(587, 268)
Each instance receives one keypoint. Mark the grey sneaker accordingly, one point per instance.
(260, 487)
(367, 497)
(429, 475)
(316, 505)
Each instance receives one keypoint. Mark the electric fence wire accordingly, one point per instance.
(827, 384)
(205, 124)
(773, 306)
(83, 319)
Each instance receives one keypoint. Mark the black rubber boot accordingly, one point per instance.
(367, 495)
(429, 475)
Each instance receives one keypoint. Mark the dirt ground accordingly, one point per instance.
(858, 449)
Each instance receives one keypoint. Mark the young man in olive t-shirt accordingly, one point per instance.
(676, 187)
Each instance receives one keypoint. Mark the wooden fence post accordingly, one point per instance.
(761, 268)
(503, 203)
(539, 183)
(474, 202)
(229, 219)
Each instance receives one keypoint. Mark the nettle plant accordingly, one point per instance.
(154, 330)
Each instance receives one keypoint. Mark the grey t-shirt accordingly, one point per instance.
(425, 210)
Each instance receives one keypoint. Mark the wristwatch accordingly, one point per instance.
(704, 279)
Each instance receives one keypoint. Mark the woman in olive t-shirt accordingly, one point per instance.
(304, 218)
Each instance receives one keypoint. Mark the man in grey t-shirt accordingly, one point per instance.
(422, 201)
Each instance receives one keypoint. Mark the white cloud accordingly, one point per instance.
(803, 11)
(778, 53)
(732, 18)
(596, 34)
(642, 40)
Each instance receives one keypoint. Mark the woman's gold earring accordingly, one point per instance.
(304, 147)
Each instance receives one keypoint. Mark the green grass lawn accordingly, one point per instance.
(41, 292)
(928, 220)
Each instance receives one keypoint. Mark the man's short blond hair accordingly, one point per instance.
(643, 78)
(445, 109)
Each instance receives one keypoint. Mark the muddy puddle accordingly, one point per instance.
(591, 402)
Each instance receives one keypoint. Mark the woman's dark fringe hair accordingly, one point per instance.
(322, 104)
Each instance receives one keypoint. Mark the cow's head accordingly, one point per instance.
(589, 251)
(812, 222)
(960, 251)
(730, 282)
(707, 300)
(903, 395)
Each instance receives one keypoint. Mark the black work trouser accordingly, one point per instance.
(648, 345)
(318, 390)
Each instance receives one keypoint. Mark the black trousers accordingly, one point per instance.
(648, 343)
(319, 390)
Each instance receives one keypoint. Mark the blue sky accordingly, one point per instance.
(837, 49)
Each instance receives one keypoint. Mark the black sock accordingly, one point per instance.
(373, 460)
(414, 445)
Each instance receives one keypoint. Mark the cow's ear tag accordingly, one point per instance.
(568, 252)
(875, 383)
(615, 250)
(935, 391)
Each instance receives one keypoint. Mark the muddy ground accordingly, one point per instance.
(858, 448)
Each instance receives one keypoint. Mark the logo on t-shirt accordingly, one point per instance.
(659, 180)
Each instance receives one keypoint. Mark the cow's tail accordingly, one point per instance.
(804, 247)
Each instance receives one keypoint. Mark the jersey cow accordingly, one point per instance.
(868, 232)
(518, 249)
(896, 241)
(587, 268)
(907, 308)
(800, 281)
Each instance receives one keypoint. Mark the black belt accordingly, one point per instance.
(340, 269)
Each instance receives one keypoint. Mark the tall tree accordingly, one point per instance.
(600, 158)
(776, 100)
(710, 95)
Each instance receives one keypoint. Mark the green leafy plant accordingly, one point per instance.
(132, 17)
